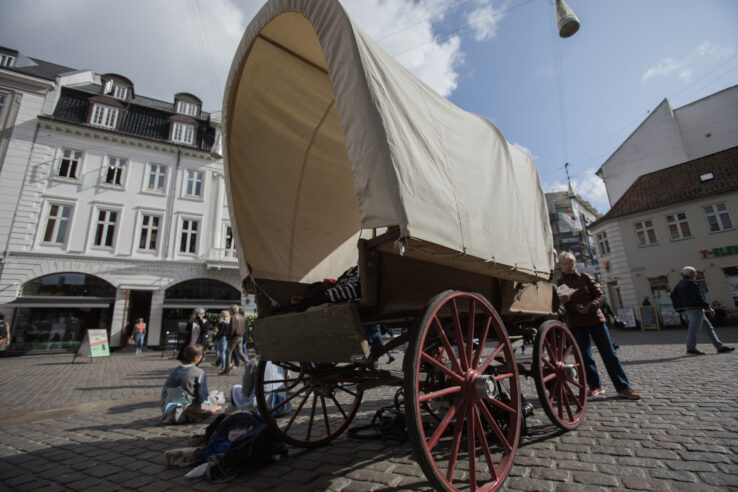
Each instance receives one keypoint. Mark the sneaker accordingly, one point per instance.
(725, 348)
(695, 352)
(596, 391)
(629, 394)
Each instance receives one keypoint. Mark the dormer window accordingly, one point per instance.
(183, 133)
(104, 116)
(117, 86)
(120, 92)
(7, 60)
(187, 108)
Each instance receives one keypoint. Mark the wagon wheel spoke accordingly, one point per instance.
(548, 377)
(441, 427)
(436, 394)
(459, 336)
(447, 345)
(454, 452)
(345, 390)
(572, 396)
(276, 381)
(482, 340)
(436, 364)
(312, 416)
(551, 351)
(470, 331)
(495, 428)
(286, 400)
(493, 355)
(471, 446)
(325, 416)
(338, 405)
(297, 410)
(482, 438)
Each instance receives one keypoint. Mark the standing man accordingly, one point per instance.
(585, 319)
(235, 337)
(688, 297)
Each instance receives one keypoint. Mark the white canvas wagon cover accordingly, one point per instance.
(326, 136)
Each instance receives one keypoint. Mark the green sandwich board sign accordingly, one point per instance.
(95, 344)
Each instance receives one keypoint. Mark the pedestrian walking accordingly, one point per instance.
(4, 333)
(689, 298)
(197, 329)
(373, 335)
(221, 338)
(584, 316)
(235, 337)
(139, 333)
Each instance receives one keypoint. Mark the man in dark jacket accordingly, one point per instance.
(235, 336)
(689, 298)
(583, 303)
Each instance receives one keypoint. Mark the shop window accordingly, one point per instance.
(718, 217)
(202, 289)
(645, 233)
(68, 284)
(678, 226)
(659, 288)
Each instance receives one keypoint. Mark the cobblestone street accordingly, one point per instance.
(93, 426)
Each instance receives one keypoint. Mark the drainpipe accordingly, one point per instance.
(170, 204)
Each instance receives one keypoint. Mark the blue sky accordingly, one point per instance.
(563, 100)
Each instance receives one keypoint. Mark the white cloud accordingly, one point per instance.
(484, 21)
(587, 185)
(684, 68)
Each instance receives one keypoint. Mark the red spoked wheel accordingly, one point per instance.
(558, 371)
(462, 394)
(307, 404)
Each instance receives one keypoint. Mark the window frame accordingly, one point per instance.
(190, 242)
(55, 232)
(123, 175)
(108, 117)
(120, 92)
(180, 133)
(678, 223)
(603, 243)
(187, 108)
(186, 184)
(7, 61)
(645, 233)
(148, 228)
(149, 174)
(78, 164)
(718, 219)
(105, 234)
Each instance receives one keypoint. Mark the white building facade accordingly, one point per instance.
(121, 214)
(672, 136)
(680, 216)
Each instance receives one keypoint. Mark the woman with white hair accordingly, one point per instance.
(689, 298)
(584, 317)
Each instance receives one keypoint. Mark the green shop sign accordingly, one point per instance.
(715, 252)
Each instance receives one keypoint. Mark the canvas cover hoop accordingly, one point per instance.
(327, 136)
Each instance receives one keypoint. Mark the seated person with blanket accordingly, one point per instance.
(185, 397)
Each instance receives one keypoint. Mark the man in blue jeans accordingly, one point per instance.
(689, 298)
(584, 316)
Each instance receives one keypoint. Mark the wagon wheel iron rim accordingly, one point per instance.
(475, 391)
(306, 414)
(558, 370)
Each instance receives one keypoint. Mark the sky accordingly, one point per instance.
(572, 100)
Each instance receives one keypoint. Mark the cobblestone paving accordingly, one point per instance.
(92, 426)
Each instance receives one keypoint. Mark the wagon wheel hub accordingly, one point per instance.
(566, 372)
(479, 386)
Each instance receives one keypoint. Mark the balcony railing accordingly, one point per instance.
(226, 255)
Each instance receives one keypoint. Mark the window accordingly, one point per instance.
(105, 230)
(659, 287)
(69, 164)
(187, 108)
(228, 243)
(104, 116)
(57, 223)
(115, 173)
(603, 243)
(718, 217)
(120, 92)
(149, 232)
(157, 177)
(188, 239)
(193, 186)
(645, 232)
(183, 133)
(7, 61)
(678, 226)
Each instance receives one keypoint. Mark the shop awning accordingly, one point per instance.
(61, 302)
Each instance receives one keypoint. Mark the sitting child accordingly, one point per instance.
(185, 397)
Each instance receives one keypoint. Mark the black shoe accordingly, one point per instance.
(725, 348)
(615, 346)
(695, 352)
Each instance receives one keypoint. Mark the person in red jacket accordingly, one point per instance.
(583, 301)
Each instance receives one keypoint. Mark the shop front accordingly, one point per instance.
(55, 311)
